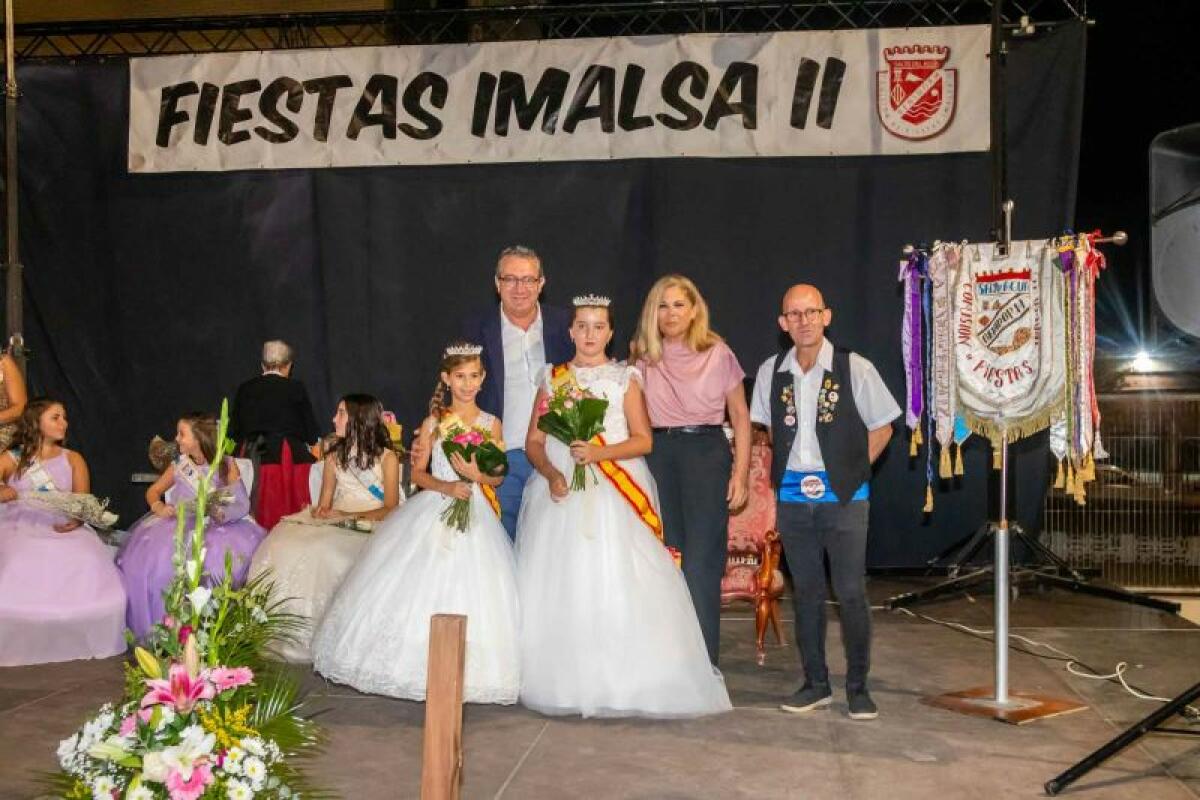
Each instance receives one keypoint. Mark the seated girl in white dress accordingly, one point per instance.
(607, 624)
(310, 552)
(375, 636)
(60, 593)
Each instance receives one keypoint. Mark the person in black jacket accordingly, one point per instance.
(272, 423)
(519, 338)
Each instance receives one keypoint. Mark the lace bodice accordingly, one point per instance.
(609, 381)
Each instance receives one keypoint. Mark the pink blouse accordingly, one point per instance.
(689, 388)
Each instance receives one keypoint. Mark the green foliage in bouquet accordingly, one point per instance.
(572, 414)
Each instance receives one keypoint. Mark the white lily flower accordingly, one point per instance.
(199, 597)
(154, 767)
(194, 744)
(140, 793)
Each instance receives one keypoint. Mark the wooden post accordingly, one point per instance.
(441, 768)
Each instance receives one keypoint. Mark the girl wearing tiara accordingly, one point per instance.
(145, 560)
(60, 595)
(607, 624)
(376, 634)
(310, 552)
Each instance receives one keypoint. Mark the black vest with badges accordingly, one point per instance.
(841, 433)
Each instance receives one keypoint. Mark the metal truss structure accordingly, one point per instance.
(147, 37)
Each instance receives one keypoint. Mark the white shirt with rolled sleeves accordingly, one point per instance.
(875, 403)
(524, 358)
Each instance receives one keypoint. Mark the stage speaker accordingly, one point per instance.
(1175, 225)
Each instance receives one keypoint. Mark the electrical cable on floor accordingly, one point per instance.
(1191, 713)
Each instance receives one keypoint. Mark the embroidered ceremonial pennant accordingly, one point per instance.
(629, 489)
(1009, 339)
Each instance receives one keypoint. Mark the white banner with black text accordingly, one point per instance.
(823, 93)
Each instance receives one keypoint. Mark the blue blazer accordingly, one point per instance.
(484, 329)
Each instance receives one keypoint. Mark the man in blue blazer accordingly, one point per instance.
(519, 338)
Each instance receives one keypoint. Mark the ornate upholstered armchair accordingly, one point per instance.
(752, 568)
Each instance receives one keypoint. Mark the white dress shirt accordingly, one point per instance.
(524, 357)
(875, 403)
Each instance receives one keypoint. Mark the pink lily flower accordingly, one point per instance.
(184, 632)
(191, 788)
(226, 678)
(180, 690)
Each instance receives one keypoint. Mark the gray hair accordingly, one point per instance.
(276, 354)
(520, 251)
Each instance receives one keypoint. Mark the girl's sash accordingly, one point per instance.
(617, 475)
(448, 421)
(366, 479)
(40, 478)
(187, 471)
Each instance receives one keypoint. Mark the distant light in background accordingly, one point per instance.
(1142, 362)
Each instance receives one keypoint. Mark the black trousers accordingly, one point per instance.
(809, 532)
(692, 472)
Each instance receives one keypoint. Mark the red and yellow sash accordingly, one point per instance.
(489, 494)
(617, 475)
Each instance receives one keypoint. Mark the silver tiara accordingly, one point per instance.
(591, 301)
(462, 350)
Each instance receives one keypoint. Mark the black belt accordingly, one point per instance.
(689, 429)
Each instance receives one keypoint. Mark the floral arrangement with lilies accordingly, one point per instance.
(469, 442)
(571, 413)
(203, 715)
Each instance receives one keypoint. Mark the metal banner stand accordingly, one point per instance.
(997, 701)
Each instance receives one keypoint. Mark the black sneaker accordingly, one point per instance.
(862, 707)
(808, 698)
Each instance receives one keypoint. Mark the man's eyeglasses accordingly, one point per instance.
(513, 281)
(808, 314)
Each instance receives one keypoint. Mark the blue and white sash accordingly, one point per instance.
(813, 487)
(366, 479)
(40, 478)
(187, 471)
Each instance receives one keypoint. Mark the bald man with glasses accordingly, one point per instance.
(830, 416)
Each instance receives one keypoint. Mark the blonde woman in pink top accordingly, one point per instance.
(692, 382)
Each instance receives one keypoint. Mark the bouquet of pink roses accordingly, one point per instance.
(468, 442)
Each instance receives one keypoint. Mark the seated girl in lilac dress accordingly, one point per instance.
(145, 560)
(60, 595)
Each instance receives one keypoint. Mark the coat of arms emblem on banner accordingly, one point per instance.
(916, 95)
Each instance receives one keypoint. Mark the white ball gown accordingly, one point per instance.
(607, 624)
(375, 636)
(308, 557)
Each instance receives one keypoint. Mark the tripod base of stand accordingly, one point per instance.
(1022, 707)
(1051, 572)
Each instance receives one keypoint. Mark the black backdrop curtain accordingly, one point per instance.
(150, 295)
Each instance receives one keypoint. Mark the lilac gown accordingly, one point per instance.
(60, 595)
(145, 560)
